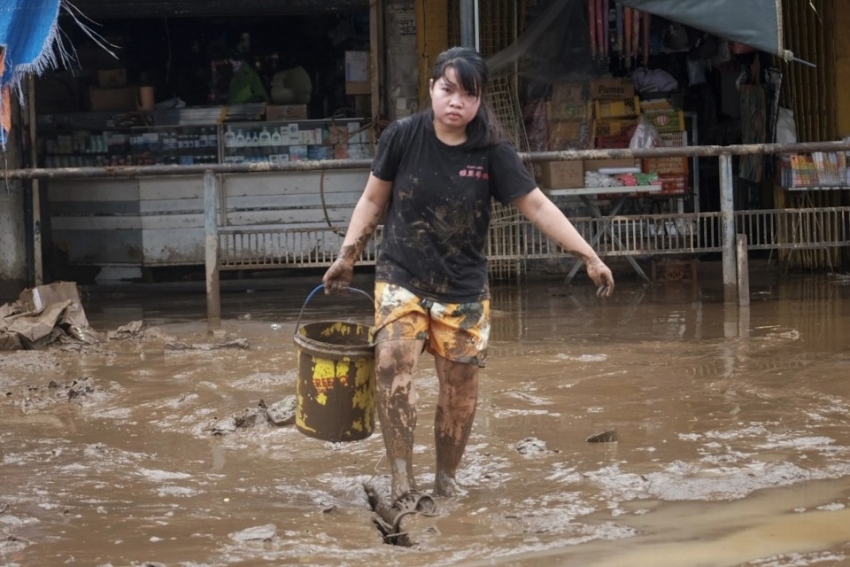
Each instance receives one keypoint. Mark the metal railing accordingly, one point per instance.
(519, 240)
(237, 248)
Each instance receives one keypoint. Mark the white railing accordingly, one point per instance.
(517, 240)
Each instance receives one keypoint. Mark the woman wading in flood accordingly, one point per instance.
(435, 174)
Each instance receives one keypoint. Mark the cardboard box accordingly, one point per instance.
(357, 73)
(125, 98)
(570, 134)
(675, 165)
(35, 299)
(112, 78)
(616, 108)
(667, 121)
(275, 112)
(571, 92)
(568, 110)
(613, 126)
(597, 164)
(611, 89)
(562, 174)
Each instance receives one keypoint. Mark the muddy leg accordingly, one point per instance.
(453, 421)
(397, 408)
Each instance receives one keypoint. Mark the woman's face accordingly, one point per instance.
(453, 107)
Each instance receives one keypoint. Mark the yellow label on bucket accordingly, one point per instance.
(326, 373)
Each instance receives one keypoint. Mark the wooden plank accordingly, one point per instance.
(91, 223)
(173, 246)
(294, 182)
(157, 222)
(292, 201)
(288, 217)
(432, 37)
(102, 246)
(184, 187)
(170, 206)
(92, 190)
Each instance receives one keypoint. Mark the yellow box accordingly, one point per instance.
(616, 108)
(611, 89)
(667, 121)
(613, 126)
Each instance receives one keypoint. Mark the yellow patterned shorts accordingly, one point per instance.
(456, 331)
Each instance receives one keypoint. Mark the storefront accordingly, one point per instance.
(201, 83)
(568, 74)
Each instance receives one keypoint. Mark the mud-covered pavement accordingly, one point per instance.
(733, 428)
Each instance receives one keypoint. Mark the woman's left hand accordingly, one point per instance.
(601, 276)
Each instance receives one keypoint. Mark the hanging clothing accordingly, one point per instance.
(753, 130)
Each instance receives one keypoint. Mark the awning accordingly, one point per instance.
(556, 45)
(757, 23)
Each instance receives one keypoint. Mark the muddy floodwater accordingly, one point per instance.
(732, 425)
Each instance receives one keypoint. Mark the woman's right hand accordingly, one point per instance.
(338, 277)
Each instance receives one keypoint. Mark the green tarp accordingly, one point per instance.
(757, 23)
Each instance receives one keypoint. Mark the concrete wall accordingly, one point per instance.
(13, 250)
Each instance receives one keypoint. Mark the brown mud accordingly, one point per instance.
(732, 436)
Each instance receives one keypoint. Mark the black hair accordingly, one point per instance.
(472, 74)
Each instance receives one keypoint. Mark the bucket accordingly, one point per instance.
(336, 378)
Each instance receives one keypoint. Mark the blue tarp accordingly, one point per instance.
(28, 30)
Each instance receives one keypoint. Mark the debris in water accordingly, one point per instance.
(388, 518)
(609, 436)
(127, 331)
(236, 343)
(260, 533)
(281, 413)
(531, 446)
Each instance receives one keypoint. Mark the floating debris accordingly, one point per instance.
(283, 412)
(259, 533)
(279, 414)
(609, 436)
(531, 446)
(236, 343)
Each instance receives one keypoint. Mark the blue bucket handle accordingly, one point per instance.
(320, 287)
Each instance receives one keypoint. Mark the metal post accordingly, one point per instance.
(727, 230)
(468, 35)
(743, 271)
(38, 263)
(211, 256)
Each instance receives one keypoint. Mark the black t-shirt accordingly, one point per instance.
(439, 212)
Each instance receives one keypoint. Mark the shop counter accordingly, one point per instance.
(159, 221)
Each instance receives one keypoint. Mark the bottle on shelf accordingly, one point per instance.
(265, 139)
(229, 138)
(240, 139)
